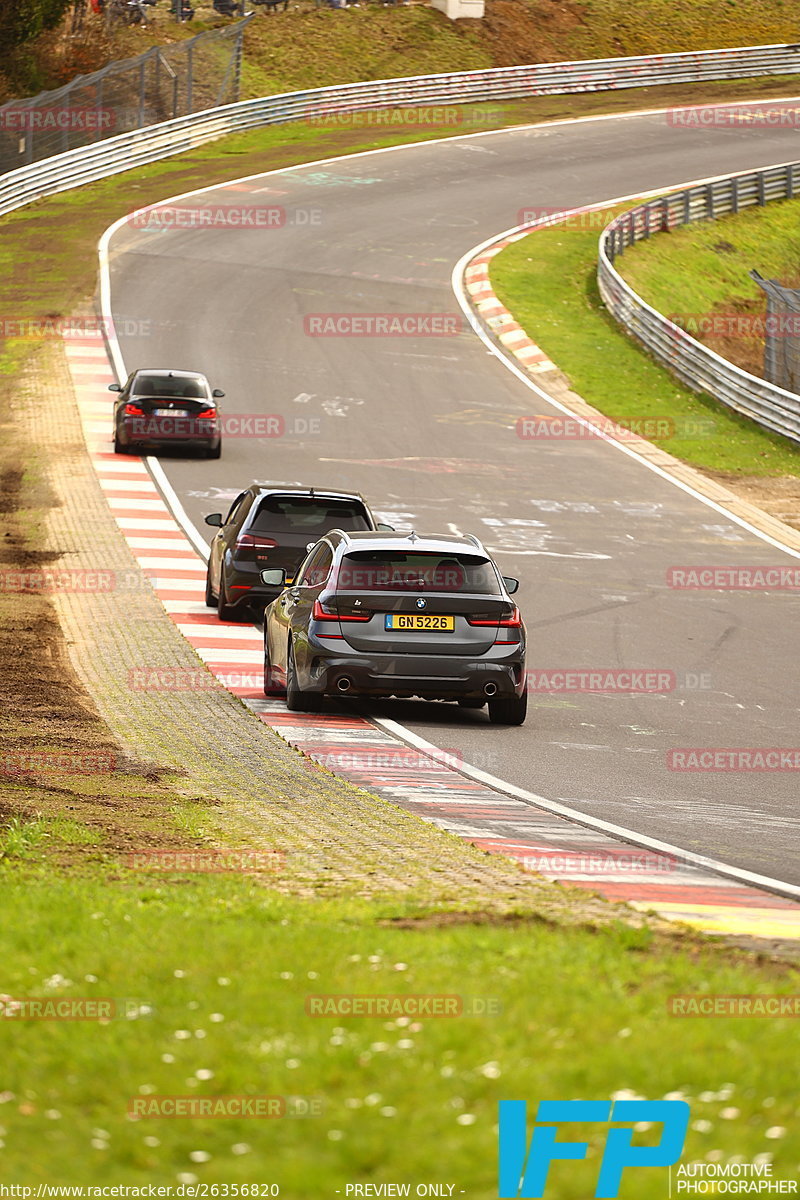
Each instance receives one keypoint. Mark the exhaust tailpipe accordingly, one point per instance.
(344, 684)
(490, 689)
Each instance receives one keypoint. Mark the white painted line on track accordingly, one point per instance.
(596, 823)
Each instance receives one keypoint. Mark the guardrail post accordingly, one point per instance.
(789, 181)
(710, 202)
(189, 69)
(646, 228)
(237, 61)
(687, 206)
(98, 107)
(735, 194)
(65, 130)
(665, 215)
(142, 82)
(762, 195)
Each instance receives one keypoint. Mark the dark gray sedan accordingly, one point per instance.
(376, 614)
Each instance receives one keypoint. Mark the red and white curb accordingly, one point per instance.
(424, 782)
(497, 317)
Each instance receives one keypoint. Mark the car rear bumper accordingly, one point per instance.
(240, 594)
(134, 431)
(501, 670)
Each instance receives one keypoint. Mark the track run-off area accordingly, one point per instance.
(426, 428)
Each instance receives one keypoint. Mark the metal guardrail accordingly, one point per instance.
(695, 364)
(136, 148)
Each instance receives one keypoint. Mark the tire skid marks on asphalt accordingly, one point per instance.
(367, 755)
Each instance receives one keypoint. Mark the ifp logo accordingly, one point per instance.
(523, 1172)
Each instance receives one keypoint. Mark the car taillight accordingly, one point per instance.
(252, 539)
(321, 612)
(208, 414)
(133, 410)
(513, 621)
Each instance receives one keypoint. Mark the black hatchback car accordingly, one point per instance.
(159, 407)
(372, 614)
(273, 527)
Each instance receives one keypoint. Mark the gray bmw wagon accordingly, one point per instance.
(394, 614)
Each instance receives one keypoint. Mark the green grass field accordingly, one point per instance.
(703, 269)
(609, 369)
(210, 978)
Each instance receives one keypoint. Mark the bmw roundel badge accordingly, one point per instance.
(420, 603)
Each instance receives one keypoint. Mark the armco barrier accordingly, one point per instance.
(693, 363)
(154, 142)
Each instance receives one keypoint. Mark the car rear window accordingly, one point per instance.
(396, 571)
(166, 385)
(308, 516)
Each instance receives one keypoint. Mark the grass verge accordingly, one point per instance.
(313, 46)
(610, 371)
(701, 270)
(210, 979)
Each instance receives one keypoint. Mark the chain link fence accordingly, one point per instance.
(165, 82)
(782, 334)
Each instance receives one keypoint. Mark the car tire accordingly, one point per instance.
(118, 446)
(296, 699)
(508, 710)
(215, 452)
(211, 599)
(271, 686)
(471, 702)
(226, 611)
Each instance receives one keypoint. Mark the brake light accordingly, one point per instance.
(208, 414)
(321, 612)
(133, 410)
(252, 539)
(514, 621)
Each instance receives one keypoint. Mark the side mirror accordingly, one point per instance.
(214, 519)
(273, 577)
(217, 394)
(511, 585)
(385, 528)
(114, 387)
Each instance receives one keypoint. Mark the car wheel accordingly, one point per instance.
(296, 699)
(211, 599)
(272, 686)
(508, 710)
(226, 611)
(118, 446)
(471, 702)
(215, 452)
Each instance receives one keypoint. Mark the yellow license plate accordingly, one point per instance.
(425, 622)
